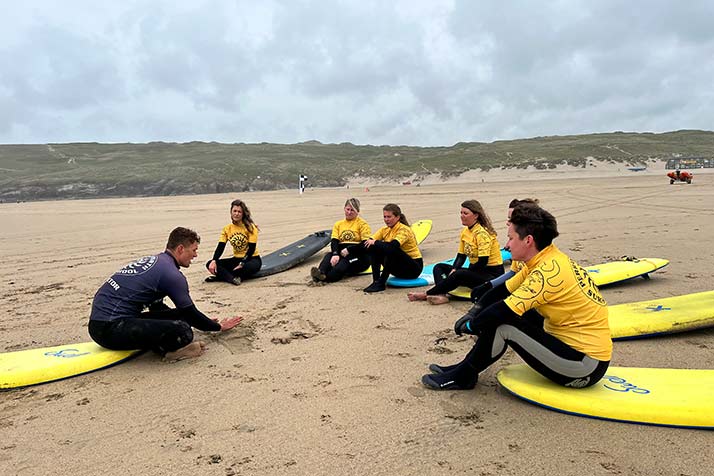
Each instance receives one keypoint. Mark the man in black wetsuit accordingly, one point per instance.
(118, 320)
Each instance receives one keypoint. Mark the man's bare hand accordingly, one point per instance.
(230, 322)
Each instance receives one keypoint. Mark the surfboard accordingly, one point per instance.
(662, 316)
(421, 229)
(666, 397)
(624, 269)
(606, 273)
(426, 278)
(294, 253)
(35, 366)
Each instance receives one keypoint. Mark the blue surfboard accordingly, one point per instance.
(426, 278)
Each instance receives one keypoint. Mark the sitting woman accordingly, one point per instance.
(347, 256)
(569, 339)
(393, 250)
(478, 243)
(242, 233)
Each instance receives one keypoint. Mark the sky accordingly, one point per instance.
(381, 72)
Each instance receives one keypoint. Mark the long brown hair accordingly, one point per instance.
(247, 219)
(482, 218)
(394, 209)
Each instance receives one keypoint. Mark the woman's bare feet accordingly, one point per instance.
(415, 296)
(191, 351)
(438, 299)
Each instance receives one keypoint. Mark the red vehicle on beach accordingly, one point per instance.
(680, 176)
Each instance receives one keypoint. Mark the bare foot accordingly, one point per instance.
(416, 296)
(438, 299)
(191, 351)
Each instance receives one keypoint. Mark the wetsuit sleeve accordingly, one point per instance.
(250, 251)
(195, 318)
(356, 250)
(335, 246)
(503, 278)
(219, 250)
(498, 293)
(496, 311)
(459, 261)
(480, 264)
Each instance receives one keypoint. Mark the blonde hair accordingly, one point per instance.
(353, 202)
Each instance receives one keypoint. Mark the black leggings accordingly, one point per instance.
(161, 331)
(498, 328)
(349, 266)
(225, 271)
(447, 281)
(394, 261)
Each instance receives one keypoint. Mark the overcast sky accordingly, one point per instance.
(369, 72)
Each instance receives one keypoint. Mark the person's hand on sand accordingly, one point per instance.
(212, 267)
(229, 323)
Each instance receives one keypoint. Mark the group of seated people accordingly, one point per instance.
(545, 307)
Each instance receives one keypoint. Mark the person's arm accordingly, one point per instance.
(195, 318)
(479, 291)
(250, 251)
(220, 247)
(335, 246)
(480, 264)
(459, 260)
(499, 293)
(469, 324)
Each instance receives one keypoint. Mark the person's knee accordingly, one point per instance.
(181, 336)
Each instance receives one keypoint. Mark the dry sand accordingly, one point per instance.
(325, 379)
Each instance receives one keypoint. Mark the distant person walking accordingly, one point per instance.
(118, 320)
(242, 234)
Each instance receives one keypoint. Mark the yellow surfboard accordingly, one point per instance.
(421, 229)
(662, 316)
(627, 268)
(668, 397)
(35, 366)
(606, 273)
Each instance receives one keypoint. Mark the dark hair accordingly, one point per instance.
(515, 201)
(247, 219)
(529, 219)
(394, 209)
(182, 236)
(477, 209)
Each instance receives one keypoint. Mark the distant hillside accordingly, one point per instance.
(83, 170)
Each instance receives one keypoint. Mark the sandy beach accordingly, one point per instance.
(325, 380)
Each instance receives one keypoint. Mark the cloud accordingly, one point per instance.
(419, 72)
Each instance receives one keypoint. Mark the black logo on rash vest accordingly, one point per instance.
(140, 266)
(239, 241)
(586, 284)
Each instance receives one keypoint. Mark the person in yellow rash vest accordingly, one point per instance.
(242, 234)
(393, 250)
(347, 255)
(572, 348)
(479, 245)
